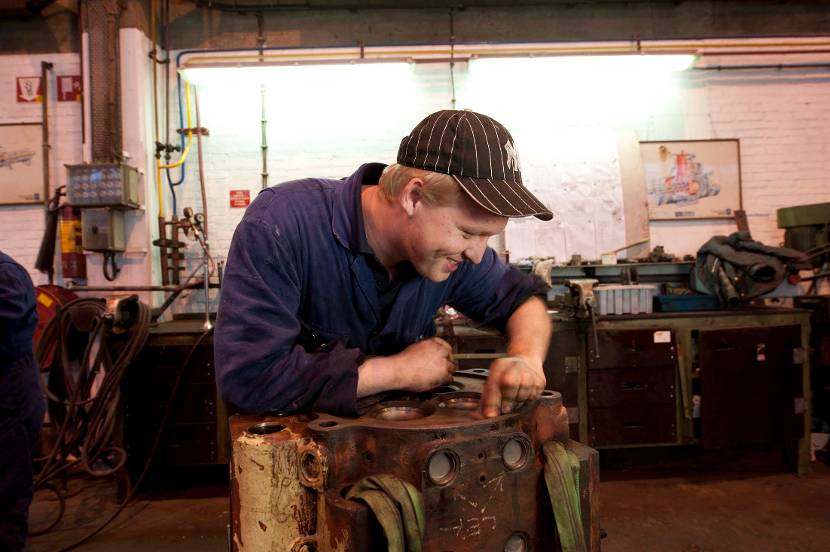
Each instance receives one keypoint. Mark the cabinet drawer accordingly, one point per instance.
(639, 424)
(631, 386)
(619, 348)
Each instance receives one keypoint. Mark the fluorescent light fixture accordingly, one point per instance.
(585, 89)
(329, 108)
(312, 73)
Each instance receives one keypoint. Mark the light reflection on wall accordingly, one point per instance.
(563, 112)
(338, 111)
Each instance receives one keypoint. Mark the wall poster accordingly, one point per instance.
(21, 164)
(692, 179)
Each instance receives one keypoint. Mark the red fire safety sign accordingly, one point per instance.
(240, 198)
(29, 90)
(69, 88)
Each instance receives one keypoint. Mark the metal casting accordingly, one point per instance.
(481, 480)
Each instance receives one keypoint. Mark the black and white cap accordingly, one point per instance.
(478, 152)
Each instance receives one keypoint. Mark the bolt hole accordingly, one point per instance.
(481, 455)
(265, 428)
(517, 542)
(442, 467)
(327, 423)
(482, 479)
(369, 457)
(515, 453)
(310, 467)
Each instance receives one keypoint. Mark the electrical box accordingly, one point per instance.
(103, 230)
(102, 185)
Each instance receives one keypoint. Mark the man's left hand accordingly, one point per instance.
(512, 382)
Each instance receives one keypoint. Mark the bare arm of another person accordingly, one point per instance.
(519, 377)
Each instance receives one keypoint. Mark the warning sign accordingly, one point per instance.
(69, 88)
(29, 90)
(240, 198)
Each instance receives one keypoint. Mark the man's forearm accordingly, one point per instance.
(375, 375)
(529, 331)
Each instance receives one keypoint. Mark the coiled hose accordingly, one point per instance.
(84, 389)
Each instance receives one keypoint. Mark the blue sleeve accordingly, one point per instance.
(490, 291)
(260, 367)
(18, 316)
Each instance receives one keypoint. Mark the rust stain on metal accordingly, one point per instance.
(481, 481)
(305, 513)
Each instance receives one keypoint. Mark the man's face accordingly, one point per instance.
(439, 239)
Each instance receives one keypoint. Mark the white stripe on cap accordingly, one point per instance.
(452, 147)
(408, 141)
(417, 143)
(475, 145)
(487, 199)
(519, 196)
(426, 153)
(489, 151)
(503, 197)
(498, 143)
(441, 141)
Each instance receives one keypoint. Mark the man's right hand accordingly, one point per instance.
(420, 367)
(425, 364)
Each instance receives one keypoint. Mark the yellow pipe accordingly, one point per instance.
(181, 160)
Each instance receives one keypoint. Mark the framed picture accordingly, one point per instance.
(21, 164)
(692, 179)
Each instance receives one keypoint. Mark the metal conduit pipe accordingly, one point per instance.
(775, 66)
(440, 56)
(191, 285)
(201, 165)
(627, 47)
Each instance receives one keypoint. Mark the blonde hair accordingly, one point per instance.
(439, 189)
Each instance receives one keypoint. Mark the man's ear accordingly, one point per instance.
(412, 196)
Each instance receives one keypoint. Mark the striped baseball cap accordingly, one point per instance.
(478, 152)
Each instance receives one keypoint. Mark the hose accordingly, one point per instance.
(84, 415)
(145, 470)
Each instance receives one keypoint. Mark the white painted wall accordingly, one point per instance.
(21, 227)
(782, 119)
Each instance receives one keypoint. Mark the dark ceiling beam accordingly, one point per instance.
(320, 5)
(23, 9)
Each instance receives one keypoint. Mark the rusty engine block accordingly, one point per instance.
(482, 481)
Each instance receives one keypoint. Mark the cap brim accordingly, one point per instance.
(502, 197)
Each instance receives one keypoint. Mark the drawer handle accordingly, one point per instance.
(632, 425)
(632, 386)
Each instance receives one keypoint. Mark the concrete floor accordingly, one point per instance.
(643, 509)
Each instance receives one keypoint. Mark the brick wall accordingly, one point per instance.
(782, 119)
(21, 227)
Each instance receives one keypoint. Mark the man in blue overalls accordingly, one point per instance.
(21, 401)
(332, 286)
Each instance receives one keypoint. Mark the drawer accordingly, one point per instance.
(631, 386)
(639, 424)
(565, 365)
(630, 348)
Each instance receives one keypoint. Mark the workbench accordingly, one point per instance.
(748, 366)
(717, 379)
